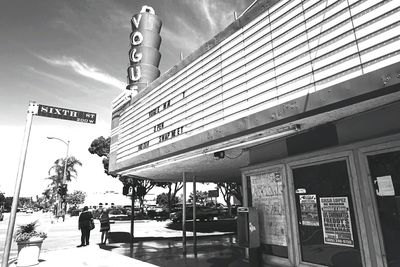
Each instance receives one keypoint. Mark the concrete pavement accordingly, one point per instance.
(209, 251)
(91, 255)
(157, 243)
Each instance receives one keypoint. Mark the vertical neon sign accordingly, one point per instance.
(144, 55)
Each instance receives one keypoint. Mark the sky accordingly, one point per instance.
(74, 54)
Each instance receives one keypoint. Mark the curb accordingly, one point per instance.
(175, 238)
(178, 237)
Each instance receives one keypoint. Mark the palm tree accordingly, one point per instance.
(58, 170)
(56, 173)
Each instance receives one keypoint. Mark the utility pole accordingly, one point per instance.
(64, 181)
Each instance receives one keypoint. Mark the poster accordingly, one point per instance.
(267, 197)
(336, 222)
(309, 210)
(385, 186)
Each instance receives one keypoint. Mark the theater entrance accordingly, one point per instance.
(384, 171)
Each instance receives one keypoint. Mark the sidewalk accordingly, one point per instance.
(91, 255)
(156, 244)
(211, 251)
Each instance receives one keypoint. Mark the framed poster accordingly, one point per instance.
(336, 222)
(267, 198)
(309, 210)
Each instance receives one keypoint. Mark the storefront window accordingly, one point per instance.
(385, 174)
(325, 214)
(267, 198)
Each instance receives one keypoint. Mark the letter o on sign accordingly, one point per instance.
(136, 38)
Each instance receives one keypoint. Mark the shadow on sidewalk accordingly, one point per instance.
(227, 225)
(108, 246)
(209, 251)
(119, 237)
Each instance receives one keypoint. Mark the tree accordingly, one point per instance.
(101, 147)
(8, 203)
(49, 195)
(140, 186)
(24, 202)
(229, 189)
(56, 173)
(201, 197)
(162, 200)
(165, 200)
(75, 198)
(2, 199)
(58, 170)
(173, 189)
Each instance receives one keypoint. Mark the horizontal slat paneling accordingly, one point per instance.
(294, 48)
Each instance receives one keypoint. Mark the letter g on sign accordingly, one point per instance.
(134, 56)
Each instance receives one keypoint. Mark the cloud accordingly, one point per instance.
(180, 40)
(208, 8)
(57, 78)
(85, 70)
(218, 14)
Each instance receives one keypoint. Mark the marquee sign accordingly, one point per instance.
(66, 114)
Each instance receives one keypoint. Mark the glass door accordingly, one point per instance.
(385, 174)
(325, 215)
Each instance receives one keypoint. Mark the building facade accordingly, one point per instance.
(302, 98)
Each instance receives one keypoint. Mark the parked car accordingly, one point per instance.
(117, 214)
(29, 210)
(202, 214)
(159, 214)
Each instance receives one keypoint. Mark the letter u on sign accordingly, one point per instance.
(134, 73)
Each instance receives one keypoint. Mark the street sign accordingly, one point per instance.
(213, 193)
(66, 114)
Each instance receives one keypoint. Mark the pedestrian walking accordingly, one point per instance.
(62, 214)
(104, 225)
(85, 220)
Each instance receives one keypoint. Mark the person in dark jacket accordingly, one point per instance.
(84, 225)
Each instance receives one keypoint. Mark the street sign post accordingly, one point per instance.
(44, 111)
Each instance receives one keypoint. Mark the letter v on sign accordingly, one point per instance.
(137, 22)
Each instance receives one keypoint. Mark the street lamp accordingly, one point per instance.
(66, 157)
(65, 166)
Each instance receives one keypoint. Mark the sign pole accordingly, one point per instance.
(132, 215)
(32, 110)
(184, 213)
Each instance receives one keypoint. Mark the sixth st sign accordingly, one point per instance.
(66, 114)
